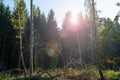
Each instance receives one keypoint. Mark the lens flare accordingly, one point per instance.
(44, 60)
(47, 58)
(53, 48)
(50, 52)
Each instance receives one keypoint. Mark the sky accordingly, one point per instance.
(60, 7)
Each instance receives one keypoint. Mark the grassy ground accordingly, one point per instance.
(66, 74)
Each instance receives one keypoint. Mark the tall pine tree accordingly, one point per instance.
(7, 36)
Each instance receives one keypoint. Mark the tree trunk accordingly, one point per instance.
(79, 47)
(3, 50)
(31, 39)
(94, 25)
(101, 74)
(93, 32)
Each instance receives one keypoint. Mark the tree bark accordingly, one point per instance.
(93, 32)
(31, 38)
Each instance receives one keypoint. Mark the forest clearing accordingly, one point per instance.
(65, 44)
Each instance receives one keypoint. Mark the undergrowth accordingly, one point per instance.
(63, 74)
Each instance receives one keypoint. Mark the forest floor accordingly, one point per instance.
(64, 74)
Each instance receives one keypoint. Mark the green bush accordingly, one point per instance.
(112, 75)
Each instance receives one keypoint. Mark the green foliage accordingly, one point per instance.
(112, 75)
(4, 76)
(46, 30)
(19, 17)
(40, 28)
(52, 26)
(64, 74)
(108, 44)
(7, 34)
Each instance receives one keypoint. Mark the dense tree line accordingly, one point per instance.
(74, 39)
(15, 33)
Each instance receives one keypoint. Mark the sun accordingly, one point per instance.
(74, 18)
(73, 22)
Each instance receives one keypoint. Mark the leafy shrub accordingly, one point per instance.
(112, 75)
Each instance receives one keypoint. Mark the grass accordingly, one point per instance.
(63, 74)
(82, 74)
(4, 76)
(33, 78)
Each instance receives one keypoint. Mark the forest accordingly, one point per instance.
(33, 47)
